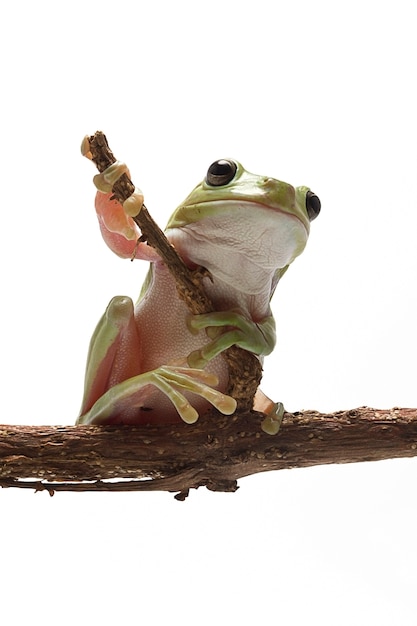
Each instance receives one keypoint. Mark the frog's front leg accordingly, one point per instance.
(118, 391)
(256, 337)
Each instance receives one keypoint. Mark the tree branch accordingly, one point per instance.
(214, 452)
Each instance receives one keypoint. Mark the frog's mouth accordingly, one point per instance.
(191, 213)
(243, 247)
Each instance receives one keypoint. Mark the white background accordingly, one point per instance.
(314, 93)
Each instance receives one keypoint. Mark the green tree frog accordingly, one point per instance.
(153, 362)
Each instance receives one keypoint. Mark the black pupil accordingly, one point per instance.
(220, 173)
(313, 205)
(220, 168)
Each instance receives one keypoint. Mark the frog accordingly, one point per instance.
(154, 363)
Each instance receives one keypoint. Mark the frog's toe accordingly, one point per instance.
(274, 412)
(104, 182)
(198, 382)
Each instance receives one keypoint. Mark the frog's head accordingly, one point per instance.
(227, 181)
(234, 215)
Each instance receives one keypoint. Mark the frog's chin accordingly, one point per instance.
(243, 249)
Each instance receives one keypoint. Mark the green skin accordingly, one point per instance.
(154, 362)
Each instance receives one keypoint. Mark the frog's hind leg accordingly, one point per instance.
(114, 354)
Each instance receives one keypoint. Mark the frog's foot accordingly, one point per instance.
(171, 381)
(258, 338)
(274, 412)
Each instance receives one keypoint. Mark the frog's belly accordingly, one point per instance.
(166, 340)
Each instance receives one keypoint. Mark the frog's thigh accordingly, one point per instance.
(115, 352)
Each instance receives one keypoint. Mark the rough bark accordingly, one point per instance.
(214, 452)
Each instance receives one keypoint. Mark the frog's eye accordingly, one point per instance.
(313, 205)
(220, 173)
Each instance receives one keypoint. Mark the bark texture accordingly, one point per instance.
(215, 452)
